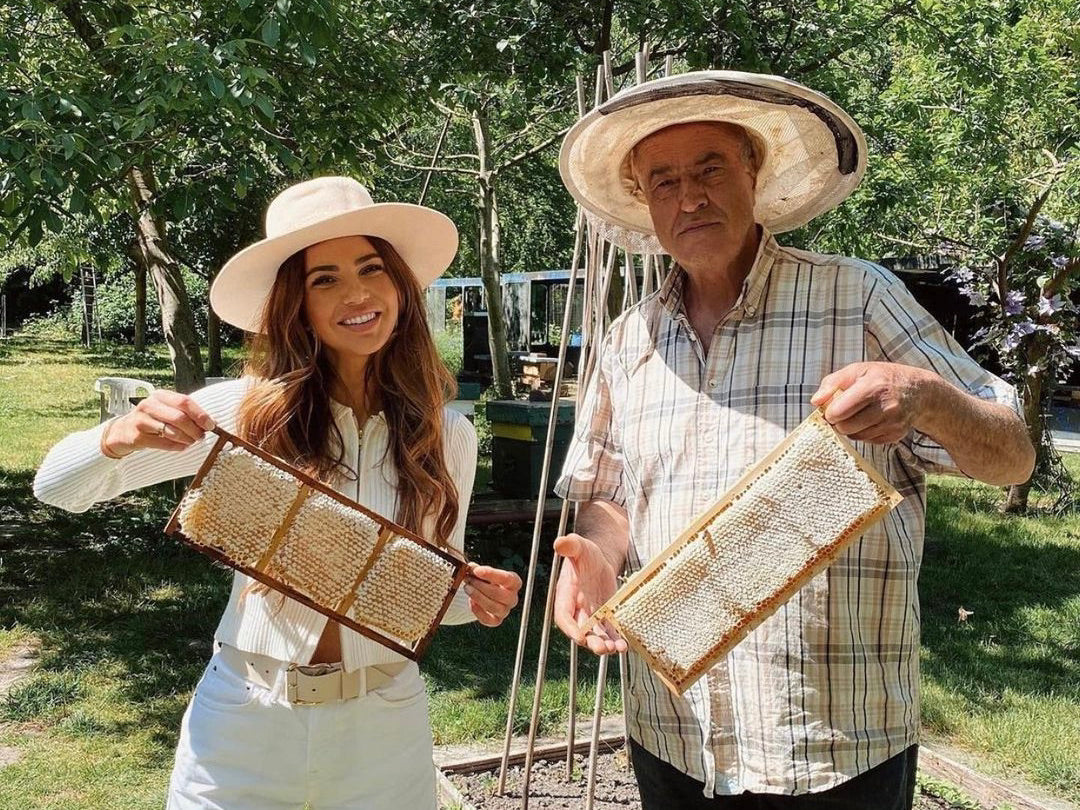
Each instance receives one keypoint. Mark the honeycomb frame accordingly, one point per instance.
(257, 514)
(649, 609)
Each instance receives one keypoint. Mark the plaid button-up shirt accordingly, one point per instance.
(826, 688)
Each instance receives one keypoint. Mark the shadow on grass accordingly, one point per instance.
(106, 590)
(1019, 579)
(152, 365)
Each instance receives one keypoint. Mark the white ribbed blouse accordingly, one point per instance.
(75, 475)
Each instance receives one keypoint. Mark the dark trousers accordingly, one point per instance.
(889, 786)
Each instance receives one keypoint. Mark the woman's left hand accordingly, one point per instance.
(493, 593)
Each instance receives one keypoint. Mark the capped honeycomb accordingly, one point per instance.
(405, 590)
(324, 547)
(238, 505)
(296, 535)
(737, 564)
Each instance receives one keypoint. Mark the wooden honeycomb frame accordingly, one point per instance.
(394, 548)
(643, 593)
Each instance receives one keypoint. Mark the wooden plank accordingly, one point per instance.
(982, 789)
(610, 742)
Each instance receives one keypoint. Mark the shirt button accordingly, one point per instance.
(713, 383)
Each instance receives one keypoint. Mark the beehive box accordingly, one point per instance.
(784, 521)
(265, 518)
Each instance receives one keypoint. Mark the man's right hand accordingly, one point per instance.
(586, 581)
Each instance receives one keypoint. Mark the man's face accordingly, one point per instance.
(698, 182)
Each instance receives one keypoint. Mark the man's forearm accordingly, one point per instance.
(608, 526)
(987, 441)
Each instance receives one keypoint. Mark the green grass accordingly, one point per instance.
(1006, 682)
(124, 617)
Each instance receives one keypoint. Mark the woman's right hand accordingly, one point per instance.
(165, 420)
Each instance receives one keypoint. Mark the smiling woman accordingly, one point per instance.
(343, 381)
(351, 301)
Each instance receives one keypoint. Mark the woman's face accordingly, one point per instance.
(349, 299)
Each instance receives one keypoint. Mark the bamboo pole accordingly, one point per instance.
(534, 551)
(541, 669)
(599, 266)
(571, 711)
(434, 160)
(594, 744)
(624, 694)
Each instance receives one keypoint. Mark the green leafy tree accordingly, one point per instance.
(975, 145)
(499, 95)
(163, 111)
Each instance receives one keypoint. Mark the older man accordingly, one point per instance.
(818, 707)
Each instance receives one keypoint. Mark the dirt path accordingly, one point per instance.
(15, 666)
(549, 788)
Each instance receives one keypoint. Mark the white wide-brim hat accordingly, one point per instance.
(315, 211)
(813, 154)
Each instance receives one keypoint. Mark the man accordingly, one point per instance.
(818, 707)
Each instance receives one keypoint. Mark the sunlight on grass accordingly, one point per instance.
(1005, 683)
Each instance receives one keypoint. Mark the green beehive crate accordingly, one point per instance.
(518, 431)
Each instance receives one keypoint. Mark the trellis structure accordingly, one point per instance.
(608, 259)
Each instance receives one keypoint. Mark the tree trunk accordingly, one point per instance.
(213, 344)
(140, 305)
(603, 29)
(490, 269)
(1016, 501)
(176, 318)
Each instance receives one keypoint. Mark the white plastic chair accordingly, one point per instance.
(117, 392)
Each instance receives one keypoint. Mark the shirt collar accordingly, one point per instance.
(340, 409)
(671, 293)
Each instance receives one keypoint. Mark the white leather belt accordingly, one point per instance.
(310, 684)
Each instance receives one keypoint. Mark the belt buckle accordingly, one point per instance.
(291, 690)
(303, 679)
(293, 678)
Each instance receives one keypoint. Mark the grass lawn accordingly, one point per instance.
(1006, 682)
(124, 617)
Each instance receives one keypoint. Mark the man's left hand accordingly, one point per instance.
(493, 593)
(877, 402)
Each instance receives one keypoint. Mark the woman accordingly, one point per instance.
(343, 381)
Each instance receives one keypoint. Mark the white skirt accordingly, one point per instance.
(245, 747)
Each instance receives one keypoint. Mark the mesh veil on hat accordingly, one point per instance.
(813, 153)
(315, 211)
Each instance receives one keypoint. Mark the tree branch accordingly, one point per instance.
(1029, 223)
(83, 28)
(1054, 285)
(438, 169)
(528, 153)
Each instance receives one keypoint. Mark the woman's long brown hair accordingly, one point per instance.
(288, 412)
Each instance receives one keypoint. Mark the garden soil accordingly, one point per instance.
(550, 790)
